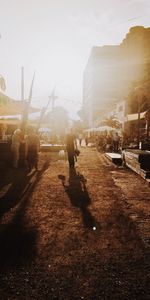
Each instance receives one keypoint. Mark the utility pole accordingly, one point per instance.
(27, 106)
(22, 84)
(140, 108)
(53, 97)
(147, 123)
(138, 137)
(43, 111)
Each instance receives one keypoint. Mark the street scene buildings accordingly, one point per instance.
(74, 193)
(112, 72)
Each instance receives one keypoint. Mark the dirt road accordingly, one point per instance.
(78, 234)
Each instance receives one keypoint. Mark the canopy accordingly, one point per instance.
(105, 128)
(90, 130)
(9, 106)
(45, 129)
(134, 117)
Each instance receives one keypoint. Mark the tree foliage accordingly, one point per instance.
(2, 83)
(139, 95)
(112, 122)
(58, 120)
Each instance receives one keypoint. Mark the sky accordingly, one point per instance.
(54, 38)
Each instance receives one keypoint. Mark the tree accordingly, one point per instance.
(112, 122)
(3, 98)
(58, 120)
(139, 95)
(78, 126)
(2, 83)
(139, 99)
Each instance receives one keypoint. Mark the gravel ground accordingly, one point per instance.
(74, 234)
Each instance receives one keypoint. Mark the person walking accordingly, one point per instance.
(15, 147)
(86, 140)
(116, 139)
(71, 147)
(80, 139)
(32, 149)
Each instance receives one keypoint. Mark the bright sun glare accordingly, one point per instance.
(61, 66)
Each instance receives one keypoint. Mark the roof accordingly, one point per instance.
(9, 106)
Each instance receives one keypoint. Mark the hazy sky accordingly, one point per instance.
(55, 38)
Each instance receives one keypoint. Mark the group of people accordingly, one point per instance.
(31, 144)
(108, 142)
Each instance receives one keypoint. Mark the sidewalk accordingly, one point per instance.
(78, 235)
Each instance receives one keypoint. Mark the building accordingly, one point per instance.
(111, 71)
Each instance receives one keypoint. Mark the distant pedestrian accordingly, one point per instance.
(15, 147)
(71, 146)
(108, 146)
(116, 139)
(32, 149)
(80, 139)
(86, 141)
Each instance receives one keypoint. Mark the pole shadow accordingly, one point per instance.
(78, 195)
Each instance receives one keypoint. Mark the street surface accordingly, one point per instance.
(78, 234)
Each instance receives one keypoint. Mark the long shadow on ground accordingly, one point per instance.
(17, 236)
(78, 194)
(14, 187)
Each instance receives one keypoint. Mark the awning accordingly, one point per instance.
(134, 117)
(45, 129)
(90, 129)
(9, 106)
(10, 121)
(105, 128)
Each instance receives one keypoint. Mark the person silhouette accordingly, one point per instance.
(71, 146)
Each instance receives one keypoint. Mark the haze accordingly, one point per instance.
(55, 38)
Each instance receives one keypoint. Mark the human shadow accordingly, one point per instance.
(18, 237)
(15, 186)
(78, 195)
(17, 242)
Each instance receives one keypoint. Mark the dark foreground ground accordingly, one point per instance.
(82, 234)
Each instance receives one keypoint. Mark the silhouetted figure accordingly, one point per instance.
(86, 141)
(71, 146)
(33, 145)
(80, 139)
(108, 143)
(116, 139)
(15, 147)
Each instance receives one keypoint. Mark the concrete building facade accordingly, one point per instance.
(111, 71)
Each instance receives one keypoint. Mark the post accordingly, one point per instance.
(43, 111)
(22, 84)
(138, 137)
(27, 106)
(139, 111)
(147, 124)
(53, 98)
(31, 89)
